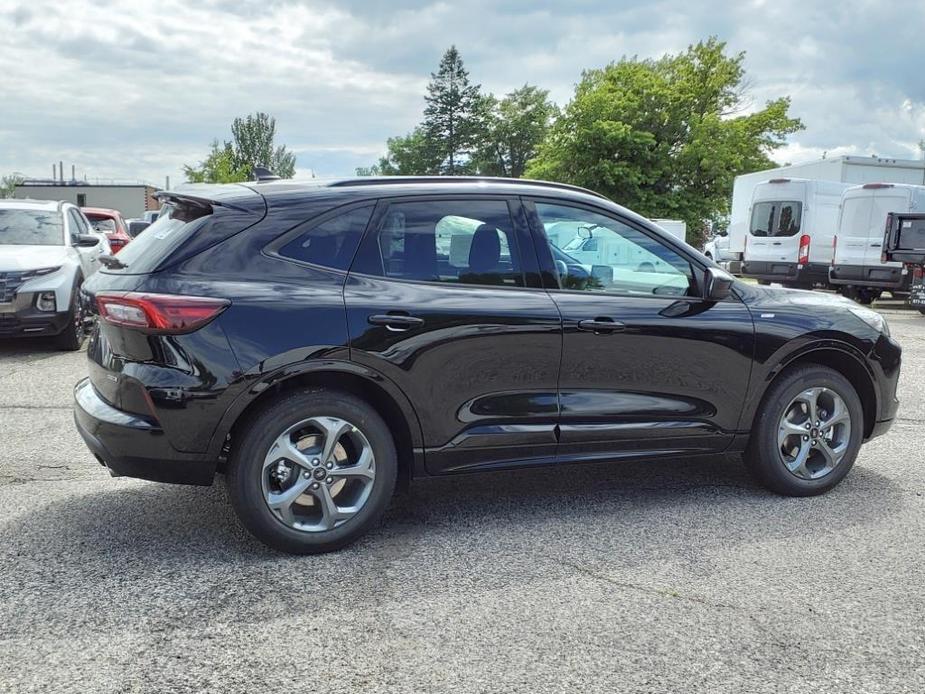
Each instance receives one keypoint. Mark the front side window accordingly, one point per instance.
(460, 241)
(600, 253)
(30, 228)
(333, 242)
(776, 218)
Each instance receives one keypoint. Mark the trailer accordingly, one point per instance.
(847, 169)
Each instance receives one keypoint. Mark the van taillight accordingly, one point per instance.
(834, 248)
(918, 272)
(803, 256)
(158, 313)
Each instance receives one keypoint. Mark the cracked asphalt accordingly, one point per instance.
(644, 577)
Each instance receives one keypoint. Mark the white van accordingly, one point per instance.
(856, 266)
(792, 224)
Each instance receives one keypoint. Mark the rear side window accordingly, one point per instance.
(453, 241)
(105, 224)
(331, 243)
(776, 218)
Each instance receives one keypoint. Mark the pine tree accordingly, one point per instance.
(452, 118)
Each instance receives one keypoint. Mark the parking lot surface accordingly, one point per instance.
(642, 577)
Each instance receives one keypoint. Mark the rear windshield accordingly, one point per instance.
(776, 218)
(31, 228)
(154, 244)
(105, 224)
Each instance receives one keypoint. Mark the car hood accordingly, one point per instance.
(17, 258)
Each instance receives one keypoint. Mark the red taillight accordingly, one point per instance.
(834, 248)
(116, 245)
(161, 313)
(918, 272)
(803, 256)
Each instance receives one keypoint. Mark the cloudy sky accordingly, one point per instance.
(133, 90)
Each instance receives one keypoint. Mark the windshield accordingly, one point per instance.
(31, 228)
(776, 218)
(105, 224)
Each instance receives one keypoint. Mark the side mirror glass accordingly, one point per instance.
(717, 284)
(87, 241)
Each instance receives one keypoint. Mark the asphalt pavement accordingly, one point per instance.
(643, 577)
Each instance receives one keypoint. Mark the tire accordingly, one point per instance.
(764, 455)
(922, 310)
(304, 527)
(72, 337)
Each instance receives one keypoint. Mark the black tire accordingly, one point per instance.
(762, 456)
(72, 337)
(922, 310)
(245, 470)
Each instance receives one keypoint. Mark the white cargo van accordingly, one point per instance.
(792, 224)
(675, 227)
(856, 266)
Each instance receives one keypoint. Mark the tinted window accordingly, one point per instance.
(331, 243)
(775, 218)
(162, 238)
(30, 228)
(601, 253)
(467, 242)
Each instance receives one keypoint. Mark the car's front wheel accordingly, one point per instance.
(72, 337)
(807, 432)
(312, 472)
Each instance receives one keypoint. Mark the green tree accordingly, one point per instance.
(665, 137)
(453, 115)
(410, 155)
(8, 185)
(513, 130)
(252, 145)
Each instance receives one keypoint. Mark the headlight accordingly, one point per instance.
(871, 318)
(42, 271)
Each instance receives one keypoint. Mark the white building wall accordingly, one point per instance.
(129, 200)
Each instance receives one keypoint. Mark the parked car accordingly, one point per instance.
(111, 223)
(789, 238)
(317, 345)
(136, 226)
(857, 268)
(151, 216)
(47, 250)
(717, 249)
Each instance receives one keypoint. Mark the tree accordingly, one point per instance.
(410, 155)
(8, 185)
(452, 117)
(513, 130)
(665, 137)
(252, 145)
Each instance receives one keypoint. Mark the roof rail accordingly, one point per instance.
(397, 180)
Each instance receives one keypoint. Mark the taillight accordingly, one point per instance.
(158, 313)
(834, 248)
(803, 256)
(116, 245)
(918, 272)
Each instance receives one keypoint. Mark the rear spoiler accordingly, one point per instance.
(904, 238)
(232, 197)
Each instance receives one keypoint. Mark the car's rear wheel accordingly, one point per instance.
(312, 472)
(807, 432)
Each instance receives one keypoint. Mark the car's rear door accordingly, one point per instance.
(444, 299)
(648, 367)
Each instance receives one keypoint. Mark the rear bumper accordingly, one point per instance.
(870, 276)
(791, 273)
(132, 445)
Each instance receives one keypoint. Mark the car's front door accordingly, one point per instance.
(89, 256)
(444, 298)
(648, 367)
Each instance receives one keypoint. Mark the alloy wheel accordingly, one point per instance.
(318, 474)
(814, 433)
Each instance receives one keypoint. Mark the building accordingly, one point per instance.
(131, 199)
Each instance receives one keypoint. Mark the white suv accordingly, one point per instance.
(47, 249)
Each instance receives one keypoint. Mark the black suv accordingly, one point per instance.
(322, 343)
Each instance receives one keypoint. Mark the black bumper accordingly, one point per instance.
(787, 273)
(134, 446)
(878, 277)
(32, 323)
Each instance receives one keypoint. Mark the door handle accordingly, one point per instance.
(396, 322)
(601, 326)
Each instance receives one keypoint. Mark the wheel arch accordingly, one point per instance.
(371, 387)
(841, 358)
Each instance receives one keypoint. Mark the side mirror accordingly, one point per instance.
(717, 284)
(135, 227)
(87, 241)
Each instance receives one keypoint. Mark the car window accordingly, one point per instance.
(604, 254)
(107, 225)
(77, 225)
(333, 242)
(459, 241)
(776, 218)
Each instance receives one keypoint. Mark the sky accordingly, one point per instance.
(131, 90)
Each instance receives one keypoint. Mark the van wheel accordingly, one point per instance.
(72, 337)
(868, 296)
(807, 432)
(312, 472)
